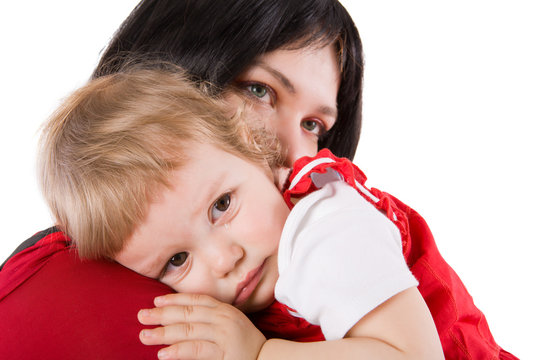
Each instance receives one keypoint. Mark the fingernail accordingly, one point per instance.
(159, 301)
(146, 334)
(163, 354)
(144, 312)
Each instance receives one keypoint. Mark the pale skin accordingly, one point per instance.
(209, 248)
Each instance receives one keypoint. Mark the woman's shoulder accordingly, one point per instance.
(30, 242)
(54, 303)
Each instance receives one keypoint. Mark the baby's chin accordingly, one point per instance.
(262, 297)
(249, 307)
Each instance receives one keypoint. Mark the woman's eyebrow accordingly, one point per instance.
(327, 110)
(279, 76)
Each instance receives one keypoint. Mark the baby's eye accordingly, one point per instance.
(176, 261)
(220, 207)
(314, 126)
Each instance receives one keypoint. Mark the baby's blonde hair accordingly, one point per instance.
(111, 146)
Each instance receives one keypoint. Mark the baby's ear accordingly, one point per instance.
(281, 177)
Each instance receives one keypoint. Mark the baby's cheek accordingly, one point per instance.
(273, 231)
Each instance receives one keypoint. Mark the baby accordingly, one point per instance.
(143, 168)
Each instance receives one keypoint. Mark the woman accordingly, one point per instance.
(228, 45)
(223, 47)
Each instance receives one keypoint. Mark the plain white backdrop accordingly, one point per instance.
(451, 107)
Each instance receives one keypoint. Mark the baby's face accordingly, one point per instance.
(215, 231)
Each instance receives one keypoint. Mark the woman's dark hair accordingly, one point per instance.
(216, 40)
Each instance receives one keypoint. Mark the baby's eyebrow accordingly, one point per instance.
(155, 268)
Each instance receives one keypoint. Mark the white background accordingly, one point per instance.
(451, 106)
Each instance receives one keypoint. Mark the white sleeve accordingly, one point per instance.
(338, 259)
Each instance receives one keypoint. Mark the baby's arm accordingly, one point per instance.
(400, 328)
(199, 327)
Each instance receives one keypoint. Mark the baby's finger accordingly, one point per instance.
(185, 299)
(175, 314)
(199, 350)
(170, 334)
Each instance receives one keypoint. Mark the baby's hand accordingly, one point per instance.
(200, 327)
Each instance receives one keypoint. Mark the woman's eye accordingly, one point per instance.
(258, 90)
(313, 126)
(220, 207)
(261, 92)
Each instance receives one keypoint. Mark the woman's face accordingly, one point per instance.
(294, 94)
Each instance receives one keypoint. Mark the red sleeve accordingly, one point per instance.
(60, 307)
(462, 327)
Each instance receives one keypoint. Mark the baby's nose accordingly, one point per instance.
(226, 259)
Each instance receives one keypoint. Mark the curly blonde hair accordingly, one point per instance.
(112, 144)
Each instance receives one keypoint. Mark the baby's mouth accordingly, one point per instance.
(248, 285)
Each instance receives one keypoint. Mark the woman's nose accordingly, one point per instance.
(295, 140)
(224, 258)
(295, 143)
